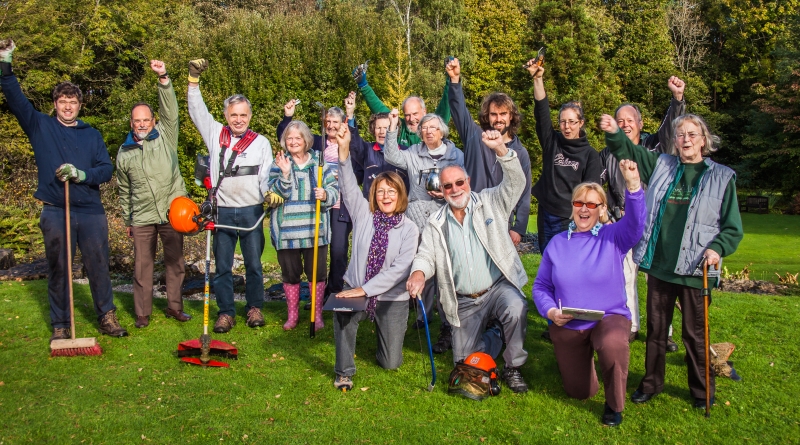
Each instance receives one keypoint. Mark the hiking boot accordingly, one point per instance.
(142, 321)
(224, 323)
(671, 345)
(60, 334)
(255, 317)
(109, 325)
(445, 341)
(343, 382)
(514, 380)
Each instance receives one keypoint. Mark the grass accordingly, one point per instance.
(771, 245)
(280, 390)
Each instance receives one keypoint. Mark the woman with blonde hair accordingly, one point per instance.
(583, 268)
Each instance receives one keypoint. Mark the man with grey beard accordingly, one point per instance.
(480, 276)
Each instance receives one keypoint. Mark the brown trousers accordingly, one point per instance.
(575, 356)
(660, 308)
(145, 243)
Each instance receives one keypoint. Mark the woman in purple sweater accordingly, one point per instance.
(582, 268)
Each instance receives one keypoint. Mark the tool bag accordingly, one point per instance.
(475, 377)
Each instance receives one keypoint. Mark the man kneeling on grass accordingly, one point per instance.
(480, 276)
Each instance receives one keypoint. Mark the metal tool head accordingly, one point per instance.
(538, 60)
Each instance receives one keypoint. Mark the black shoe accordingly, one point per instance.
(611, 417)
(514, 381)
(640, 396)
(546, 336)
(445, 341)
(633, 336)
(701, 403)
(671, 345)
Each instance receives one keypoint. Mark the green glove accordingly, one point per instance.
(196, 68)
(7, 48)
(68, 172)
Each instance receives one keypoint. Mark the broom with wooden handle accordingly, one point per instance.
(73, 346)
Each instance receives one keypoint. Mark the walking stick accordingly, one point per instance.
(706, 292)
(320, 165)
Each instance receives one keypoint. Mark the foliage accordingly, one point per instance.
(20, 232)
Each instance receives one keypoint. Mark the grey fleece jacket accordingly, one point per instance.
(492, 209)
(417, 158)
(390, 283)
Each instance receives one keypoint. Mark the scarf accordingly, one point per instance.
(377, 250)
(225, 139)
(573, 227)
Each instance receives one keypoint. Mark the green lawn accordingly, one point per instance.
(771, 243)
(280, 390)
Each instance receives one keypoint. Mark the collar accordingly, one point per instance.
(131, 139)
(572, 227)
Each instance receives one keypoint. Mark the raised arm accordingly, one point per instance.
(288, 114)
(465, 126)
(541, 108)
(622, 148)
(208, 127)
(19, 105)
(662, 141)
(443, 109)
(348, 183)
(373, 102)
(391, 151)
(522, 211)
(507, 193)
(167, 105)
(629, 229)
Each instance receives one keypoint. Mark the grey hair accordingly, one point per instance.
(305, 133)
(336, 112)
(635, 109)
(236, 99)
(417, 98)
(433, 116)
(452, 166)
(711, 141)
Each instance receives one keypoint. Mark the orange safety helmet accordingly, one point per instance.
(182, 215)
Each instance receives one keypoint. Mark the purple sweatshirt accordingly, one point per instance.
(586, 271)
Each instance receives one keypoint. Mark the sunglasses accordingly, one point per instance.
(590, 205)
(459, 183)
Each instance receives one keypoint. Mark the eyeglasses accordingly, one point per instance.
(427, 129)
(142, 121)
(390, 193)
(459, 183)
(690, 136)
(570, 123)
(589, 205)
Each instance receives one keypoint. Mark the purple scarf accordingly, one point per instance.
(377, 250)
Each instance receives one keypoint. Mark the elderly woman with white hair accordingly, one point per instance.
(293, 177)
(423, 162)
(583, 268)
(692, 216)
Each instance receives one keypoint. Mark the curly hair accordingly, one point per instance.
(67, 89)
(500, 100)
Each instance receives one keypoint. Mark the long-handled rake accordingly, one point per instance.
(73, 346)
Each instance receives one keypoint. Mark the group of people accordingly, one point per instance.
(418, 217)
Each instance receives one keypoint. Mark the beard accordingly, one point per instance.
(459, 202)
(141, 134)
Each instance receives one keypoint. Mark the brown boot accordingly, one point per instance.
(60, 334)
(255, 317)
(109, 325)
(224, 324)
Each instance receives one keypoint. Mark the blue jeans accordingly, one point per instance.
(90, 234)
(549, 225)
(251, 244)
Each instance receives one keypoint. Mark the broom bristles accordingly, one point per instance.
(72, 352)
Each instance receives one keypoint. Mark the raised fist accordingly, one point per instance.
(453, 68)
(159, 67)
(7, 48)
(608, 124)
(196, 68)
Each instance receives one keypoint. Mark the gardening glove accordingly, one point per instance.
(196, 68)
(360, 74)
(273, 200)
(68, 172)
(7, 48)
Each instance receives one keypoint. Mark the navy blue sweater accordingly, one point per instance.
(55, 144)
(371, 161)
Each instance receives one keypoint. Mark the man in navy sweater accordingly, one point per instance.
(67, 149)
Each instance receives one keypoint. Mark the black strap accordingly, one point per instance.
(244, 170)
(223, 172)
